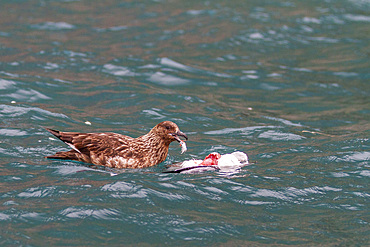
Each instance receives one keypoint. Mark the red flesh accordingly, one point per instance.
(211, 159)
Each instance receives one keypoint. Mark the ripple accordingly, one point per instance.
(117, 70)
(167, 80)
(51, 66)
(10, 203)
(251, 74)
(350, 207)
(6, 84)
(284, 121)
(167, 195)
(23, 217)
(82, 213)
(138, 193)
(271, 193)
(167, 62)
(113, 29)
(4, 216)
(74, 53)
(357, 156)
(215, 190)
(28, 95)
(71, 169)
(32, 216)
(360, 3)
(340, 174)
(289, 193)
(280, 136)
(12, 178)
(256, 36)
(37, 192)
(12, 132)
(346, 74)
(118, 186)
(350, 157)
(324, 39)
(361, 18)
(244, 131)
(311, 20)
(170, 63)
(254, 203)
(362, 194)
(125, 190)
(53, 26)
(17, 111)
(154, 113)
(365, 173)
(196, 12)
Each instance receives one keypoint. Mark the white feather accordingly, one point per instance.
(183, 147)
(73, 147)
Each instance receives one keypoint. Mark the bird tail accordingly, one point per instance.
(69, 155)
(54, 132)
(66, 137)
(63, 136)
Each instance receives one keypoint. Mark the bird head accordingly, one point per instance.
(169, 131)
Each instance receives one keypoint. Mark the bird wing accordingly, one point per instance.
(102, 143)
(87, 143)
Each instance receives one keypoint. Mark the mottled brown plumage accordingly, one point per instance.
(119, 151)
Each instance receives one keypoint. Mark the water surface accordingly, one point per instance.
(285, 81)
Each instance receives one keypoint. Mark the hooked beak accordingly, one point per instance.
(177, 134)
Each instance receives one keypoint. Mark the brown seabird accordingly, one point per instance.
(119, 151)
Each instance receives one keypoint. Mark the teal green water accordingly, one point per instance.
(287, 82)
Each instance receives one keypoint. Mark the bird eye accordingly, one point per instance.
(168, 127)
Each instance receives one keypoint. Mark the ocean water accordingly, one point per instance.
(287, 82)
